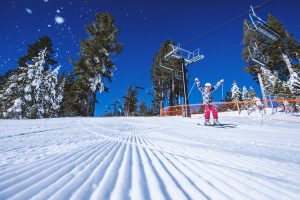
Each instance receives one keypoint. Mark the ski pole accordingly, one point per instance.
(191, 90)
(222, 92)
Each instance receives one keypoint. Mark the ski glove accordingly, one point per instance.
(197, 80)
(222, 81)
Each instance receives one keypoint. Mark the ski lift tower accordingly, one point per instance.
(187, 58)
(257, 25)
(115, 102)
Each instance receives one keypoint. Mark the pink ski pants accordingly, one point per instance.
(211, 108)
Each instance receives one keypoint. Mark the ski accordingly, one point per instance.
(220, 125)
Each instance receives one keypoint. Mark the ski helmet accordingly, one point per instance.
(207, 85)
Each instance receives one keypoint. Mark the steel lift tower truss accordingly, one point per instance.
(188, 57)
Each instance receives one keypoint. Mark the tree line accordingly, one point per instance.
(36, 89)
(279, 76)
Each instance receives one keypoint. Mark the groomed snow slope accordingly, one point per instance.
(149, 158)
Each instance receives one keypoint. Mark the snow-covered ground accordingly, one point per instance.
(151, 158)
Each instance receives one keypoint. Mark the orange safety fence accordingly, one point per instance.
(287, 105)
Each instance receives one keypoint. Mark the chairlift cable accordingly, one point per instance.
(217, 28)
(212, 31)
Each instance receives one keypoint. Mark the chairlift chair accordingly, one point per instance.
(178, 75)
(260, 26)
(194, 56)
(257, 56)
(163, 66)
(188, 56)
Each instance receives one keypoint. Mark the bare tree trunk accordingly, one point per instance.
(288, 63)
(84, 107)
(92, 104)
(173, 92)
(238, 108)
(263, 91)
(171, 95)
(298, 57)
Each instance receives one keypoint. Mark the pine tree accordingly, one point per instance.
(228, 97)
(127, 100)
(245, 94)
(60, 89)
(52, 93)
(143, 109)
(34, 49)
(97, 52)
(235, 91)
(71, 103)
(34, 86)
(94, 68)
(159, 92)
(131, 102)
(4, 78)
(282, 54)
(10, 101)
(278, 90)
(166, 77)
(246, 97)
(268, 80)
(31, 93)
(252, 93)
(236, 94)
(294, 83)
(76, 91)
(287, 94)
(159, 76)
(285, 46)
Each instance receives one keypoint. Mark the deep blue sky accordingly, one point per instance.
(144, 25)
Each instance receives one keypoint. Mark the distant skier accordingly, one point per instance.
(207, 96)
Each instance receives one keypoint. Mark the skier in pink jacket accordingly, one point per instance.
(207, 95)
